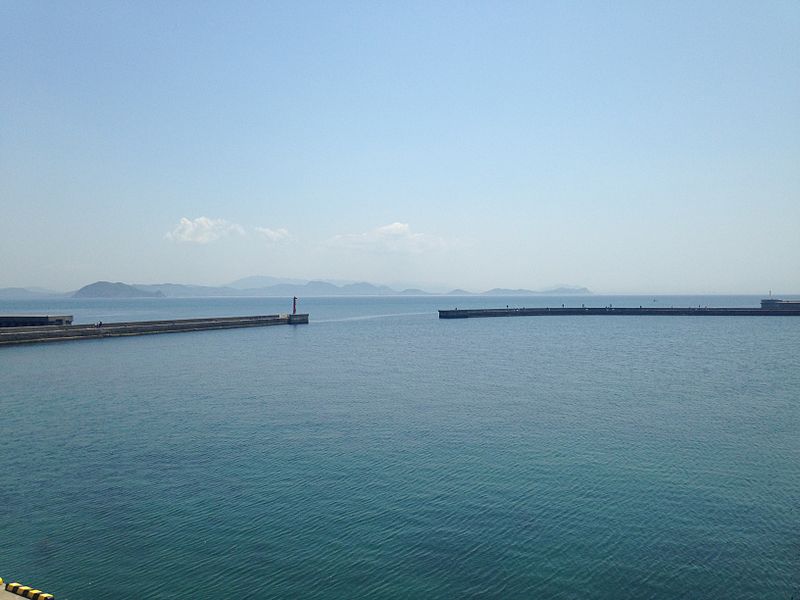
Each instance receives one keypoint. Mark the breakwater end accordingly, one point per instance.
(61, 333)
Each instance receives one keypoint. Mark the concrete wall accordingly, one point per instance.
(22, 335)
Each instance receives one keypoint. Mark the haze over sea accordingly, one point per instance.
(379, 452)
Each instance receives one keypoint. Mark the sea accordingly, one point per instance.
(379, 452)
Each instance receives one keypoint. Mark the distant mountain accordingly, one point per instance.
(560, 291)
(507, 292)
(322, 288)
(262, 281)
(106, 289)
(177, 290)
(303, 288)
(366, 289)
(45, 291)
(16, 293)
(299, 287)
(311, 288)
(566, 290)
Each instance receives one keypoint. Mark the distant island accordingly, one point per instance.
(559, 291)
(264, 286)
(106, 289)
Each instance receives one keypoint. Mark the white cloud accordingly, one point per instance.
(203, 230)
(393, 238)
(274, 235)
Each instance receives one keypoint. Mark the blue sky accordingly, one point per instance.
(625, 146)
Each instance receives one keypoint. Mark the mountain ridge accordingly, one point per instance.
(312, 288)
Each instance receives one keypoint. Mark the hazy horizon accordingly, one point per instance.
(630, 147)
(432, 289)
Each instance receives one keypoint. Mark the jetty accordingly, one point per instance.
(769, 308)
(27, 334)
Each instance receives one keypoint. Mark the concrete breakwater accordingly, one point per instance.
(60, 333)
(609, 311)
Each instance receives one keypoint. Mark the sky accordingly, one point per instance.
(629, 147)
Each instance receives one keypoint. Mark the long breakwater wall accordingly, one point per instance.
(62, 333)
(608, 311)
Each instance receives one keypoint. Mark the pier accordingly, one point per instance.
(61, 333)
(769, 308)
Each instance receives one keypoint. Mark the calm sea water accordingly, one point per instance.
(379, 452)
